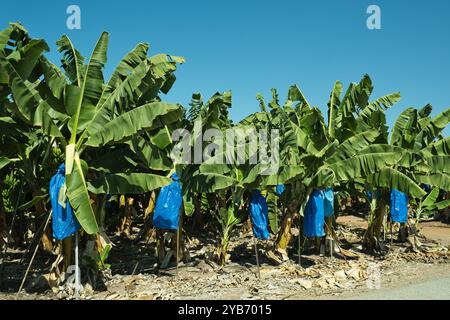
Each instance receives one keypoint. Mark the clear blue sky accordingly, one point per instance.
(251, 46)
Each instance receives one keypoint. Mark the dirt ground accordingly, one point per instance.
(132, 274)
(438, 231)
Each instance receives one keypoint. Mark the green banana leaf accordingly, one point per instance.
(146, 117)
(132, 183)
(78, 195)
(393, 179)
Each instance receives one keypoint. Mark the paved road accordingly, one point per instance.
(438, 289)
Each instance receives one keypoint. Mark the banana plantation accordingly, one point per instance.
(93, 185)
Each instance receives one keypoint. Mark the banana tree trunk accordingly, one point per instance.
(284, 236)
(372, 238)
(223, 248)
(329, 226)
(151, 206)
(176, 243)
(226, 234)
(126, 221)
(403, 233)
(46, 238)
(148, 231)
(67, 253)
(198, 217)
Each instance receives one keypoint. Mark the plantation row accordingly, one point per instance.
(115, 139)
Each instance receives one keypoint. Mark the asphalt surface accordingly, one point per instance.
(434, 289)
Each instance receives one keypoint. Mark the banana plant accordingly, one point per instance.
(429, 205)
(420, 136)
(85, 115)
(230, 186)
(359, 115)
(201, 116)
(324, 156)
(417, 132)
(32, 153)
(224, 182)
(205, 179)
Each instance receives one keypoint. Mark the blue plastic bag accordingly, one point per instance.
(314, 217)
(64, 222)
(279, 189)
(399, 206)
(371, 194)
(328, 204)
(168, 204)
(259, 214)
(426, 187)
(107, 202)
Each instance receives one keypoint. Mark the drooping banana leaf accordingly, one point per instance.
(403, 127)
(381, 103)
(439, 164)
(210, 182)
(294, 95)
(149, 116)
(33, 202)
(439, 148)
(273, 211)
(54, 78)
(126, 67)
(4, 162)
(364, 163)
(78, 195)
(114, 160)
(431, 128)
(25, 59)
(393, 179)
(72, 61)
(430, 199)
(189, 207)
(132, 183)
(441, 205)
(440, 180)
(441, 121)
(164, 63)
(151, 156)
(353, 145)
(121, 89)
